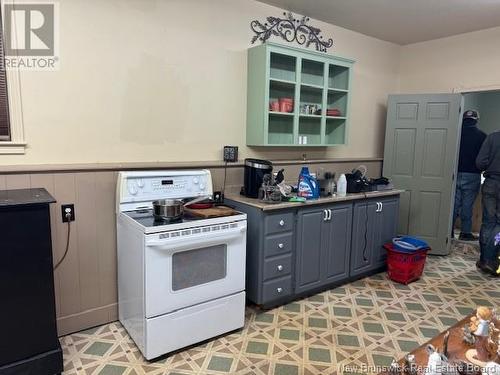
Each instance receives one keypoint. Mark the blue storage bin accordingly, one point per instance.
(409, 244)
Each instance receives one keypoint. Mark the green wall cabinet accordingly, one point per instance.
(319, 85)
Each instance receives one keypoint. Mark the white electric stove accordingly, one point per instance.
(180, 282)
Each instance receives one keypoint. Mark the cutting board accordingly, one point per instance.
(216, 211)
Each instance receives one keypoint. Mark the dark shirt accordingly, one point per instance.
(470, 144)
(488, 159)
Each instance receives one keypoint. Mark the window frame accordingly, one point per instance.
(16, 143)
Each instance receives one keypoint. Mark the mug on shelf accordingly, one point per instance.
(286, 104)
(274, 106)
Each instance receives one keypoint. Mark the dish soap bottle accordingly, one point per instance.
(342, 186)
(308, 186)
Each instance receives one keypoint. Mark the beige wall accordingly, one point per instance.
(464, 62)
(166, 81)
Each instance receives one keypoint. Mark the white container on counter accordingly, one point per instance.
(342, 186)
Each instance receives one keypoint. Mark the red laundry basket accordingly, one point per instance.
(404, 267)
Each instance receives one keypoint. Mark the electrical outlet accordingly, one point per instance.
(231, 154)
(68, 209)
(218, 197)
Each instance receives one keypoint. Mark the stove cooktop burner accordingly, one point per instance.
(163, 221)
(147, 219)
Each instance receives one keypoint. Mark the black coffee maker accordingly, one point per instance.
(255, 169)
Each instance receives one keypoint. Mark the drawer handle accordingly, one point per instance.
(279, 290)
(282, 223)
(279, 268)
(281, 246)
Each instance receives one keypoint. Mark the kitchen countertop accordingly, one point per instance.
(279, 206)
(25, 196)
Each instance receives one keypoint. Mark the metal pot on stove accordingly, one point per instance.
(172, 209)
(168, 209)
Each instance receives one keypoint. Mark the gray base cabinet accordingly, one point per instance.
(374, 224)
(293, 252)
(323, 246)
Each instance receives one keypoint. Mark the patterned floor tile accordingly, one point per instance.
(340, 331)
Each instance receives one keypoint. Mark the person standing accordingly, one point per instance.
(488, 160)
(469, 176)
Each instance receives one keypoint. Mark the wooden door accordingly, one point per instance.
(421, 151)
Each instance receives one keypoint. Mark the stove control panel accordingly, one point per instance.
(137, 187)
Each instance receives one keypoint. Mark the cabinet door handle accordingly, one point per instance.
(282, 223)
(329, 215)
(325, 213)
(378, 207)
(381, 207)
(279, 290)
(279, 268)
(280, 245)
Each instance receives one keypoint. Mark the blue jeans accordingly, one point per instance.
(491, 220)
(468, 185)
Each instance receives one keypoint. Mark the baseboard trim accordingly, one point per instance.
(87, 319)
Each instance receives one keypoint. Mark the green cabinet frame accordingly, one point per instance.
(311, 79)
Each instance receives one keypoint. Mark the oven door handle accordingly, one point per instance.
(190, 242)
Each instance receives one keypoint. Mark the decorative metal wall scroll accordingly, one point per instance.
(290, 29)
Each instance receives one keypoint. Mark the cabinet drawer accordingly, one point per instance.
(281, 222)
(278, 244)
(277, 289)
(277, 267)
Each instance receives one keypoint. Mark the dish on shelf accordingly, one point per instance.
(334, 112)
(274, 106)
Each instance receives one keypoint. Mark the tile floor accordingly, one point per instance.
(365, 323)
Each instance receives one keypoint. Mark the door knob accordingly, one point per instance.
(279, 290)
(280, 245)
(280, 268)
(282, 222)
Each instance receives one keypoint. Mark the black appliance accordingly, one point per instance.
(255, 169)
(29, 342)
(357, 182)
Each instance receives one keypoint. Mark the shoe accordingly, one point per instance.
(487, 268)
(467, 237)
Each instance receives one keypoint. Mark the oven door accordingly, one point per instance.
(188, 269)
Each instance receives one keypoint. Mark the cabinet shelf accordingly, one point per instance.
(309, 115)
(312, 82)
(282, 81)
(277, 113)
(337, 90)
(307, 85)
